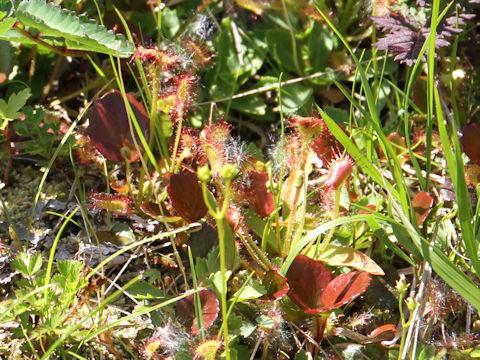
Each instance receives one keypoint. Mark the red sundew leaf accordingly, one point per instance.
(185, 310)
(275, 284)
(120, 186)
(339, 171)
(383, 333)
(168, 60)
(342, 290)
(109, 128)
(201, 54)
(309, 128)
(117, 204)
(184, 91)
(186, 196)
(314, 133)
(326, 146)
(307, 279)
(257, 195)
(86, 153)
(214, 141)
(422, 203)
(234, 217)
(470, 143)
(189, 147)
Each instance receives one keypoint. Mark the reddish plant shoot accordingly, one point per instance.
(117, 204)
(186, 196)
(183, 94)
(276, 285)
(257, 194)
(307, 279)
(202, 55)
(110, 130)
(383, 333)
(314, 134)
(314, 290)
(340, 171)
(167, 60)
(185, 310)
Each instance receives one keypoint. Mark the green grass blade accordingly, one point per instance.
(430, 89)
(355, 153)
(456, 171)
(387, 148)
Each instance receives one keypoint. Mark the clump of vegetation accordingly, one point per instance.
(239, 181)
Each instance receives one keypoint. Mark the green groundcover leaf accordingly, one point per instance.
(11, 110)
(79, 32)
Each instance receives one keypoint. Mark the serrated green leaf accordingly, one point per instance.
(11, 110)
(265, 322)
(80, 33)
(70, 269)
(27, 264)
(250, 292)
(247, 329)
(6, 25)
(35, 263)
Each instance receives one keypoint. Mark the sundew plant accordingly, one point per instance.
(239, 180)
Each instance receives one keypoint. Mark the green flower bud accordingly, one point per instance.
(411, 304)
(228, 171)
(204, 174)
(402, 285)
(272, 186)
(299, 179)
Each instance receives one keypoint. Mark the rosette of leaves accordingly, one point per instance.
(314, 289)
(406, 34)
(56, 26)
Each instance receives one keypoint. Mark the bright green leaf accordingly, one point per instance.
(27, 264)
(250, 292)
(79, 32)
(6, 25)
(144, 290)
(11, 110)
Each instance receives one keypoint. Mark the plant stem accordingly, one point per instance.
(338, 193)
(299, 176)
(49, 46)
(218, 213)
(175, 144)
(223, 298)
(255, 252)
(11, 152)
